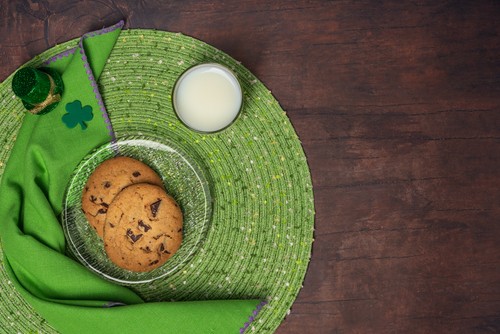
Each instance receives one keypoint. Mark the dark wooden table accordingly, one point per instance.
(398, 108)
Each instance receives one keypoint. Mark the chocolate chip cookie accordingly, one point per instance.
(143, 228)
(107, 180)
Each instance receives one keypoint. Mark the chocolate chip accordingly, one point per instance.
(154, 262)
(107, 184)
(132, 236)
(154, 207)
(162, 249)
(86, 189)
(146, 249)
(179, 230)
(146, 227)
(106, 205)
(158, 236)
(102, 211)
(111, 225)
(93, 198)
(136, 174)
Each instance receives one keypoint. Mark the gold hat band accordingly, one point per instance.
(51, 98)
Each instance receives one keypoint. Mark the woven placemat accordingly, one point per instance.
(259, 241)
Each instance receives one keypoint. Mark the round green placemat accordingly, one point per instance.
(259, 241)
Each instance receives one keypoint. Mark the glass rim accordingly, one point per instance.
(200, 65)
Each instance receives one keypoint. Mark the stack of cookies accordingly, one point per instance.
(125, 202)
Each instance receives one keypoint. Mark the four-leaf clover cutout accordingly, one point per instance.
(76, 114)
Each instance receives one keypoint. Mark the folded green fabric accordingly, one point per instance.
(48, 148)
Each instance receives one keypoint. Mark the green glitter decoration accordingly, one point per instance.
(33, 86)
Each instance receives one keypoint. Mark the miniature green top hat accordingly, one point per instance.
(39, 89)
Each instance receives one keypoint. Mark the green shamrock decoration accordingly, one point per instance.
(76, 114)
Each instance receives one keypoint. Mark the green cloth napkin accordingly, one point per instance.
(70, 297)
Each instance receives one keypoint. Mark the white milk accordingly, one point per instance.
(207, 97)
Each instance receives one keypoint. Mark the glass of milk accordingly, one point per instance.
(207, 97)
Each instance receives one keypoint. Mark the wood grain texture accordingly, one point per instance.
(398, 108)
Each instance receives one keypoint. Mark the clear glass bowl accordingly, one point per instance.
(184, 180)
